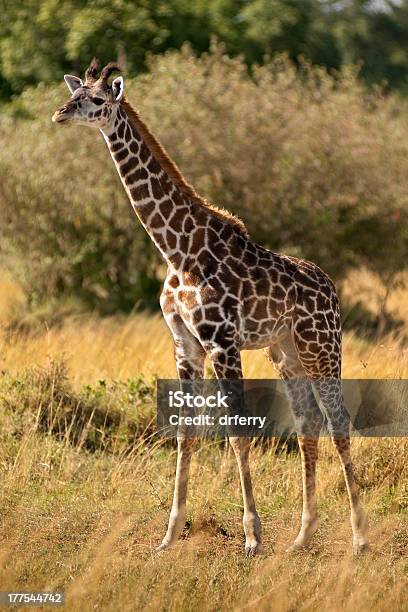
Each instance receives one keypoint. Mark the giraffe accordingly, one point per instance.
(224, 293)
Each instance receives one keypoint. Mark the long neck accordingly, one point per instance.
(161, 198)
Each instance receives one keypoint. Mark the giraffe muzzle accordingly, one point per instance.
(62, 115)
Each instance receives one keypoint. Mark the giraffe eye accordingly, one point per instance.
(98, 101)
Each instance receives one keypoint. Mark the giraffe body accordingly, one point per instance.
(223, 293)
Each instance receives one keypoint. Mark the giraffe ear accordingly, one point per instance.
(118, 88)
(73, 82)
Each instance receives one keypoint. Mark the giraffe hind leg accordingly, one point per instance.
(327, 384)
(308, 422)
(330, 393)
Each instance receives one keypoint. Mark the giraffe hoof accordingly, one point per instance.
(163, 546)
(361, 549)
(252, 550)
(295, 548)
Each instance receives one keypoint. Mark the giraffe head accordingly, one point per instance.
(94, 100)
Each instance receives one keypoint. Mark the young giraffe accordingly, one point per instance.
(224, 293)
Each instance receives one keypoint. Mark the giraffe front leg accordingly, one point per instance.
(190, 358)
(227, 364)
(251, 521)
(177, 519)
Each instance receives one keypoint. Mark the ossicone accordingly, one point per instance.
(91, 73)
(108, 70)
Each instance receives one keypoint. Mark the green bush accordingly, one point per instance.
(313, 163)
(105, 417)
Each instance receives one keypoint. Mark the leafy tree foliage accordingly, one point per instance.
(39, 39)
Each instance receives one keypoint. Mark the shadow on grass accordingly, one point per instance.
(357, 318)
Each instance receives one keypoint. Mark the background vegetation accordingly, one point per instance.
(314, 164)
(295, 120)
(330, 33)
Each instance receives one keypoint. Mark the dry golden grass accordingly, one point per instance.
(87, 523)
(121, 347)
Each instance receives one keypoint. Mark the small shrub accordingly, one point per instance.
(106, 417)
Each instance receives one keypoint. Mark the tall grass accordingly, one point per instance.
(84, 519)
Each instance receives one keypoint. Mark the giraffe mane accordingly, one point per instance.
(157, 149)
